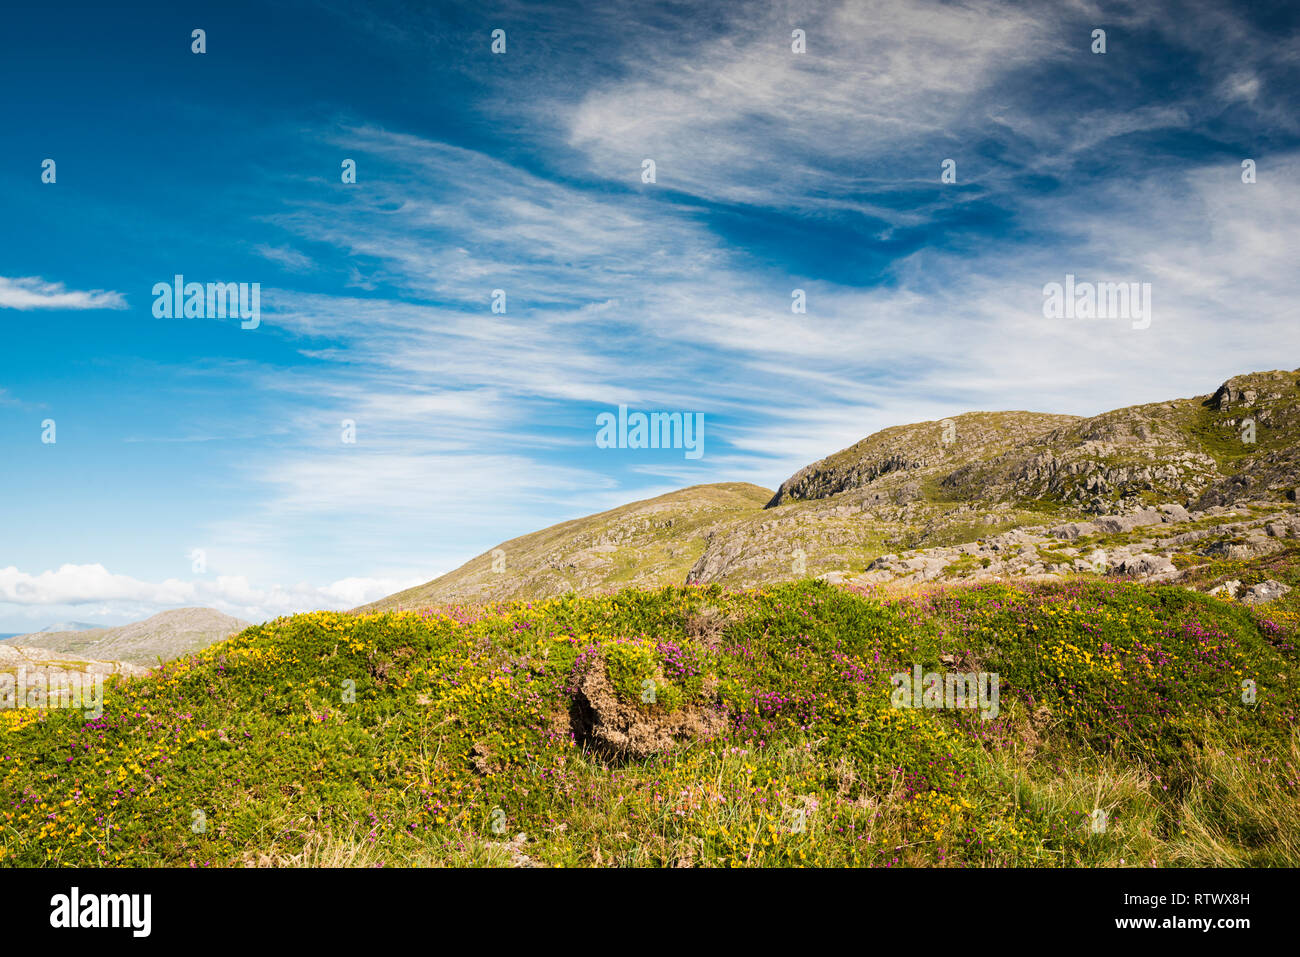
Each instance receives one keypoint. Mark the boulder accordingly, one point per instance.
(1073, 530)
(1241, 551)
(1146, 565)
(1114, 524)
(928, 568)
(1283, 528)
(1175, 513)
(1265, 592)
(1228, 589)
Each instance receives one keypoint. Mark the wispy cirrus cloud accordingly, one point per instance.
(290, 259)
(887, 88)
(32, 292)
(742, 118)
(598, 320)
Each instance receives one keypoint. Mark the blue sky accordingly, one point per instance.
(522, 171)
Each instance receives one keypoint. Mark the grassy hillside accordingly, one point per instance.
(522, 734)
(645, 544)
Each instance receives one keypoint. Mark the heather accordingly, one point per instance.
(1137, 726)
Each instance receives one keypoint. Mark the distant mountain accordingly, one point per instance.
(164, 636)
(925, 486)
(69, 626)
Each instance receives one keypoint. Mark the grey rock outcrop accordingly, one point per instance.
(1265, 592)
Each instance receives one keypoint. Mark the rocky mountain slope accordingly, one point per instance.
(911, 451)
(962, 496)
(15, 659)
(165, 636)
(1166, 544)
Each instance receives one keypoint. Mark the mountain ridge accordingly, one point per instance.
(164, 636)
(917, 487)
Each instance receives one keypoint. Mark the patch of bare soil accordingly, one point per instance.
(706, 626)
(620, 729)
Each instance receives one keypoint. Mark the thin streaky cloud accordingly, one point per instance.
(32, 292)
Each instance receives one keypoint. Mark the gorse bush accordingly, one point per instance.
(1125, 733)
(656, 674)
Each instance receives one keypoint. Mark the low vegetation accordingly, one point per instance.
(689, 726)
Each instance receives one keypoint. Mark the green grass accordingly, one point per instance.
(1051, 556)
(1211, 431)
(434, 739)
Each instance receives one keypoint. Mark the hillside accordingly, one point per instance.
(35, 661)
(691, 726)
(644, 544)
(917, 490)
(164, 636)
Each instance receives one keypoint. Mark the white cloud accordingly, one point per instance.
(739, 117)
(124, 597)
(290, 259)
(34, 293)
